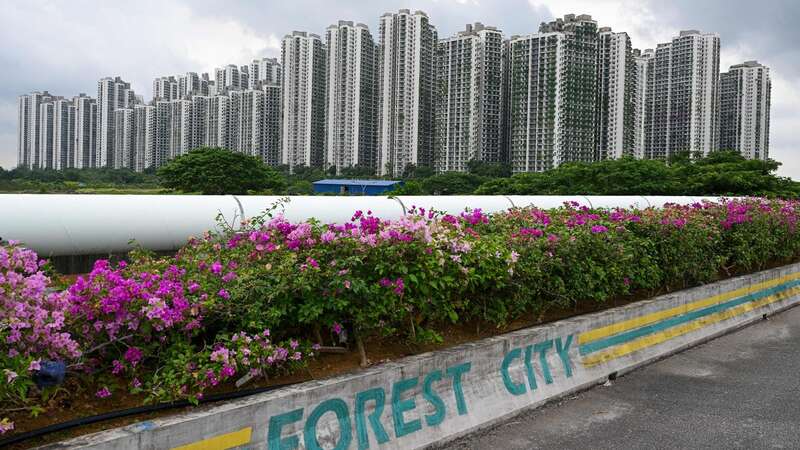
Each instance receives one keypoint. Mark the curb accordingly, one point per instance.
(426, 400)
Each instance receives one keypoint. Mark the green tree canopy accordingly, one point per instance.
(219, 171)
(719, 173)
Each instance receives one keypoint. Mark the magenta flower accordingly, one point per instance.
(224, 294)
(399, 286)
(103, 393)
(599, 229)
(227, 371)
(133, 355)
(216, 268)
(228, 277)
(337, 328)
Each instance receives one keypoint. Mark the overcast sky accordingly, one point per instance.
(66, 46)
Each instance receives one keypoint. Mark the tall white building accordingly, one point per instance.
(644, 65)
(165, 88)
(112, 94)
(85, 132)
(553, 95)
(270, 152)
(63, 134)
(264, 71)
(468, 98)
(303, 60)
(141, 114)
(45, 150)
(744, 109)
(29, 133)
(682, 105)
(407, 45)
(350, 111)
(124, 138)
(616, 95)
(231, 78)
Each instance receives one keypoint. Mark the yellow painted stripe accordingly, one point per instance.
(221, 442)
(657, 338)
(619, 327)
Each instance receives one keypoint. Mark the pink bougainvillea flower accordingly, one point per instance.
(103, 393)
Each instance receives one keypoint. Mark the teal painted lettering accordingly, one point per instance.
(563, 353)
(529, 367)
(514, 388)
(276, 423)
(379, 397)
(433, 398)
(542, 348)
(401, 427)
(457, 372)
(338, 407)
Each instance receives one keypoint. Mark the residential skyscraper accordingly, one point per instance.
(616, 95)
(351, 108)
(264, 71)
(229, 78)
(165, 88)
(112, 94)
(644, 65)
(63, 134)
(468, 98)
(191, 84)
(141, 114)
(405, 91)
(682, 105)
(29, 134)
(124, 138)
(554, 95)
(303, 59)
(270, 152)
(45, 150)
(85, 131)
(746, 91)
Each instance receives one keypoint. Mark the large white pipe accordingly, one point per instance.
(56, 225)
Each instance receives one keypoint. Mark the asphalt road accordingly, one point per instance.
(741, 390)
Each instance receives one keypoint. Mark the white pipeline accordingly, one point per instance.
(56, 225)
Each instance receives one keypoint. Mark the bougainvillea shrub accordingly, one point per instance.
(254, 301)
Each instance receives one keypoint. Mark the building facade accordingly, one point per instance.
(265, 71)
(303, 86)
(63, 134)
(644, 65)
(469, 86)
(112, 94)
(406, 80)
(745, 92)
(616, 95)
(351, 104)
(553, 95)
(682, 105)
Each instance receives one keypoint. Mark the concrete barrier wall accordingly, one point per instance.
(428, 399)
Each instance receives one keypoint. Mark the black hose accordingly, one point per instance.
(11, 440)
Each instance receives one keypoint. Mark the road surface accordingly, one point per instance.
(741, 390)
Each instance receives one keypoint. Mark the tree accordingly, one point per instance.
(219, 171)
(487, 169)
